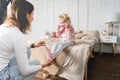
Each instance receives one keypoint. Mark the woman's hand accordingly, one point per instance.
(38, 44)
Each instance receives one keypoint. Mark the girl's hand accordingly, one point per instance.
(58, 28)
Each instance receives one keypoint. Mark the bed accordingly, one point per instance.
(72, 62)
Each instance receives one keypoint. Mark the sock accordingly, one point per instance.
(49, 53)
(48, 50)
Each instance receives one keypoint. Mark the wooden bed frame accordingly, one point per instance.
(86, 63)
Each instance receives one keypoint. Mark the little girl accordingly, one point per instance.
(67, 35)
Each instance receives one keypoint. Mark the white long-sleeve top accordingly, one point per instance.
(12, 42)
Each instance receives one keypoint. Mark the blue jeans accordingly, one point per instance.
(4, 74)
(11, 72)
(58, 47)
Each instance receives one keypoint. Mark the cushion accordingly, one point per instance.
(93, 33)
(79, 35)
(90, 38)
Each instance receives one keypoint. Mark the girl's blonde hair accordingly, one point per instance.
(65, 18)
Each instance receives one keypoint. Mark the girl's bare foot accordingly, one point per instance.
(51, 61)
(46, 64)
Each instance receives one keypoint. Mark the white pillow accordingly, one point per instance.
(79, 36)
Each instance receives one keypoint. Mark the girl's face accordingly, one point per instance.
(30, 17)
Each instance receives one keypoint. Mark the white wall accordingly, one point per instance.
(85, 15)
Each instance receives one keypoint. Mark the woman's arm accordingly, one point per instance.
(37, 44)
(20, 50)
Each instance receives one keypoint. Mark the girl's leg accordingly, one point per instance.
(50, 54)
(53, 48)
(61, 46)
(56, 50)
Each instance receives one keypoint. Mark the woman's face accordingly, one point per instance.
(30, 17)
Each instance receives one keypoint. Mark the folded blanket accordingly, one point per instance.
(74, 64)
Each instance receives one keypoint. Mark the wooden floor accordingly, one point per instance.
(104, 67)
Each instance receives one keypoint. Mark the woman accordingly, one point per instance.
(13, 47)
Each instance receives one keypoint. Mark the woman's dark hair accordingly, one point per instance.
(18, 14)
